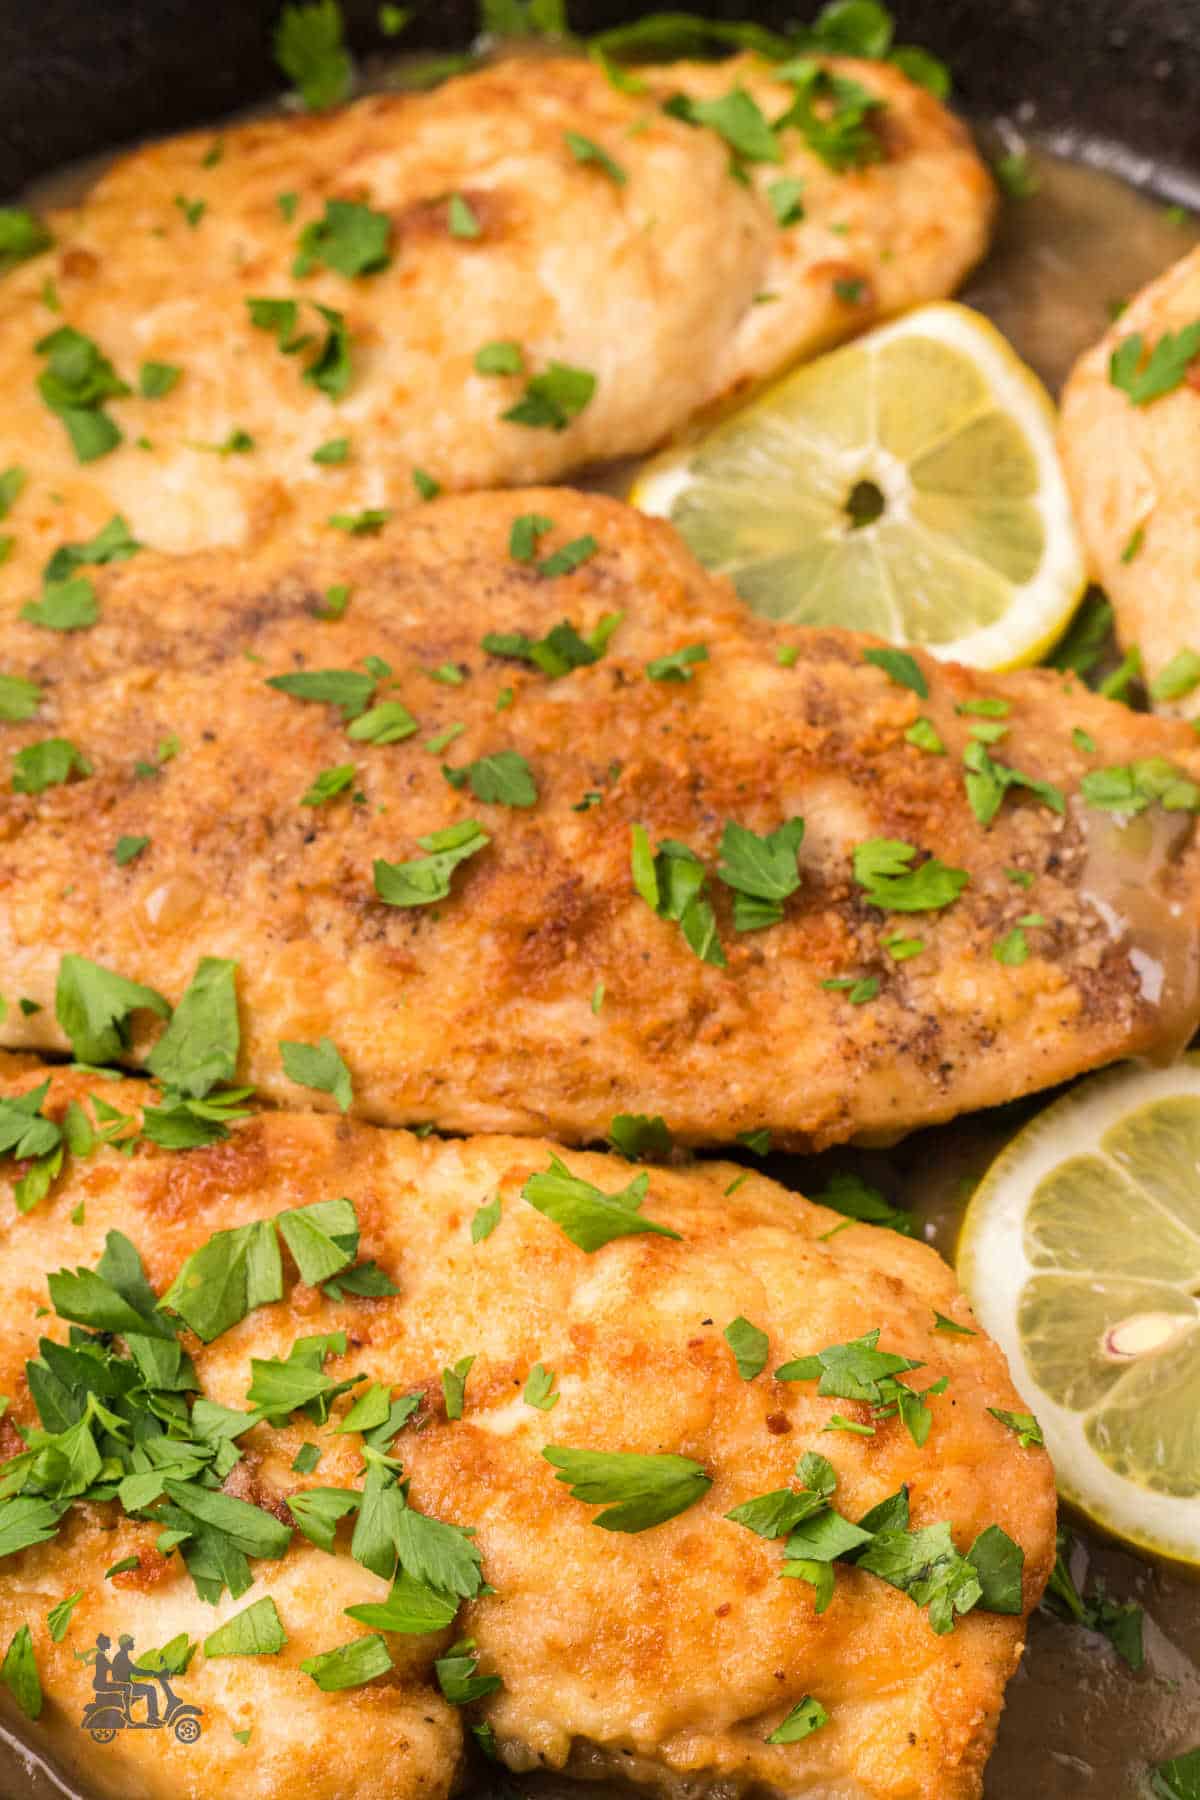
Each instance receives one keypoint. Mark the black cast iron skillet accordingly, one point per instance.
(1114, 82)
(1105, 78)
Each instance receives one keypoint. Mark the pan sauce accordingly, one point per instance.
(1077, 1721)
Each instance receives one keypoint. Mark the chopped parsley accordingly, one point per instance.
(553, 398)
(362, 524)
(454, 1386)
(502, 779)
(539, 1389)
(363, 1659)
(19, 1673)
(1028, 1431)
(751, 1347)
(329, 367)
(1145, 378)
(457, 1674)
(561, 650)
(76, 382)
(1119, 1621)
(12, 485)
(1181, 676)
(672, 882)
(785, 198)
(310, 50)
(1016, 175)
(255, 1631)
(988, 781)
(328, 784)
(833, 114)
(807, 1716)
(859, 1370)
(349, 238)
(462, 218)
(503, 356)
(128, 849)
(348, 689)
(318, 1066)
(156, 379)
(882, 868)
(1132, 787)
(49, 763)
(332, 452)
(485, 1220)
(19, 699)
(426, 486)
(639, 1136)
(64, 606)
(677, 666)
(901, 668)
(762, 871)
(586, 1214)
(193, 210)
(427, 878)
(736, 117)
(854, 1198)
(387, 723)
(584, 150)
(22, 235)
(638, 1492)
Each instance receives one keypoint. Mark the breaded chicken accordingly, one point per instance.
(543, 969)
(1132, 471)
(668, 1654)
(655, 272)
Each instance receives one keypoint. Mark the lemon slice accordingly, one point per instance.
(907, 485)
(1081, 1254)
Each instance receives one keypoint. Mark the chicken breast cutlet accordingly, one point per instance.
(576, 1404)
(1132, 473)
(544, 828)
(522, 272)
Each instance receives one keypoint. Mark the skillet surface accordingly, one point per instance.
(1111, 81)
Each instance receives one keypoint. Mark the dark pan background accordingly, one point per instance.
(1114, 81)
(77, 76)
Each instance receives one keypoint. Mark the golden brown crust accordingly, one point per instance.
(671, 1653)
(654, 286)
(483, 1012)
(1132, 475)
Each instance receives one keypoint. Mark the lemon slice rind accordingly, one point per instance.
(994, 1268)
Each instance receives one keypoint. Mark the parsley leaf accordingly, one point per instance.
(387, 723)
(761, 870)
(350, 1665)
(350, 238)
(854, 1198)
(539, 1389)
(19, 699)
(156, 379)
(199, 1048)
(502, 779)
(561, 650)
(59, 1617)
(327, 784)
(22, 235)
(1178, 1779)
(640, 1135)
(318, 1066)
(807, 1716)
(457, 1677)
(988, 781)
(64, 606)
(49, 763)
(552, 399)
(411, 1607)
(485, 1221)
(638, 1491)
(1086, 638)
(926, 1566)
(503, 356)
(750, 1347)
(586, 1214)
(1162, 372)
(1119, 1621)
(784, 197)
(1028, 1431)
(310, 50)
(677, 665)
(454, 1386)
(93, 1006)
(736, 117)
(330, 368)
(427, 878)
(1181, 676)
(833, 114)
(901, 668)
(19, 1673)
(585, 151)
(1132, 787)
(255, 1631)
(226, 1278)
(882, 868)
(672, 882)
(346, 688)
(75, 383)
